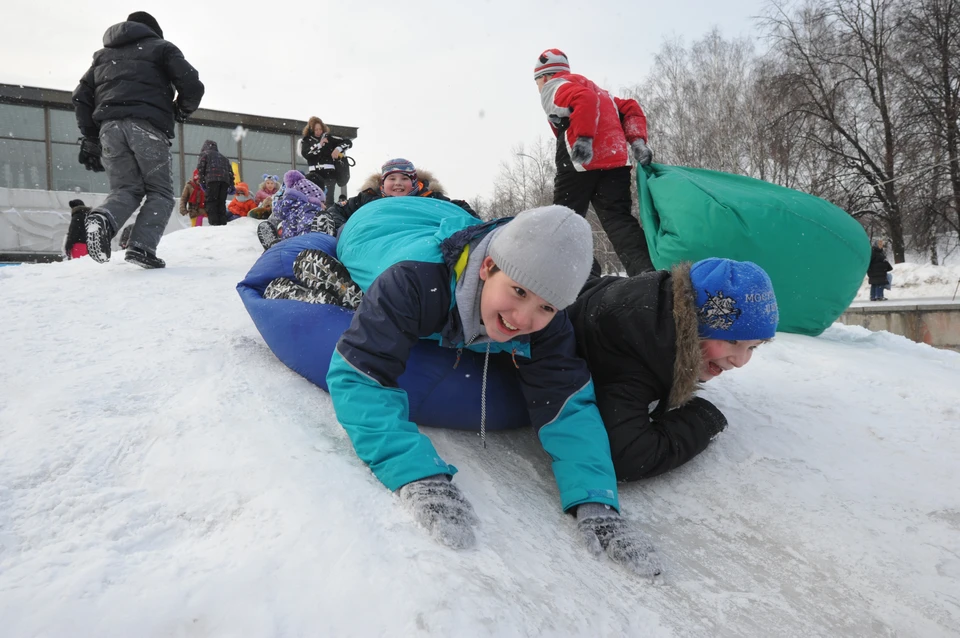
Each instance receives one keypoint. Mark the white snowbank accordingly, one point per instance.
(162, 474)
(914, 281)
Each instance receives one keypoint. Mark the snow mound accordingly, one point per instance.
(162, 474)
(914, 281)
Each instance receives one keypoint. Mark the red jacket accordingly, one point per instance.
(576, 107)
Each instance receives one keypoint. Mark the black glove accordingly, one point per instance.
(710, 415)
(582, 151)
(179, 114)
(90, 152)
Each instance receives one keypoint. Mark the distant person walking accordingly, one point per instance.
(877, 271)
(596, 136)
(126, 107)
(215, 174)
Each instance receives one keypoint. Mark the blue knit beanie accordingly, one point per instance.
(735, 300)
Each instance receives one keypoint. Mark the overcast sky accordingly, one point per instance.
(447, 85)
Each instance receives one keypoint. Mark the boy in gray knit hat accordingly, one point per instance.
(428, 270)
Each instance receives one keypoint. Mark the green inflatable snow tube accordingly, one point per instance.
(815, 253)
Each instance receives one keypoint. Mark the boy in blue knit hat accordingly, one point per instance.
(654, 338)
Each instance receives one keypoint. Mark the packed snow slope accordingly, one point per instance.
(162, 474)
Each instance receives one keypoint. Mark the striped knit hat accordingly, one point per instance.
(551, 61)
(398, 165)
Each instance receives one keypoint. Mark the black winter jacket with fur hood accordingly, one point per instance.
(639, 338)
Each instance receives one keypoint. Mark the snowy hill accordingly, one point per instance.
(162, 474)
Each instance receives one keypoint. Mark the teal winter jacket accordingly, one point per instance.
(406, 253)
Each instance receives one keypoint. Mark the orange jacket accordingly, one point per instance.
(242, 203)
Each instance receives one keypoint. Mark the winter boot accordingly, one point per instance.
(143, 258)
(323, 223)
(283, 288)
(267, 234)
(99, 234)
(317, 269)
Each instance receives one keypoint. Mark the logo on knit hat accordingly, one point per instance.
(734, 300)
(718, 312)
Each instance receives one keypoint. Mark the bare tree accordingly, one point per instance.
(837, 61)
(929, 39)
(525, 180)
(697, 102)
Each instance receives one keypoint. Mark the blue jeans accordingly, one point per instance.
(876, 292)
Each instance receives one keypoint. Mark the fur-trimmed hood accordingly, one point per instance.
(686, 365)
(641, 331)
(425, 177)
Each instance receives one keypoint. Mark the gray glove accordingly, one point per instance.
(582, 151)
(604, 530)
(641, 152)
(439, 506)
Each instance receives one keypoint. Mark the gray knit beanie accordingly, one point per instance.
(548, 250)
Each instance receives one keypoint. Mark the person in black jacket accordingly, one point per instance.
(653, 338)
(877, 271)
(215, 174)
(397, 178)
(321, 150)
(126, 107)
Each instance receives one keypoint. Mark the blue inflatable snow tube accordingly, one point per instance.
(303, 336)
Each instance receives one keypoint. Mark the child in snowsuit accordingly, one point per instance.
(242, 202)
(596, 136)
(397, 178)
(193, 200)
(302, 200)
(215, 175)
(75, 243)
(267, 189)
(321, 149)
(429, 270)
(877, 271)
(654, 337)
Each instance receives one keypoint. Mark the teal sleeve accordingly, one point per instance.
(376, 420)
(577, 442)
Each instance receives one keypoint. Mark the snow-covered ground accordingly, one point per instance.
(162, 474)
(914, 281)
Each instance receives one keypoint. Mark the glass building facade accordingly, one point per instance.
(38, 143)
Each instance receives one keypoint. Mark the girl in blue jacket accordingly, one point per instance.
(431, 271)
